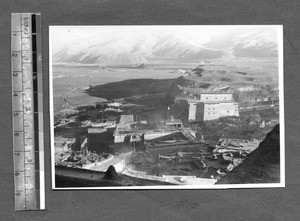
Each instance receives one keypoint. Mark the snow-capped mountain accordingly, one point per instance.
(137, 48)
(253, 43)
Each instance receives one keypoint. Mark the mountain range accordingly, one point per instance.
(137, 48)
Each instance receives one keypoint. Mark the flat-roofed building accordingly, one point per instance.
(125, 122)
(174, 123)
(212, 106)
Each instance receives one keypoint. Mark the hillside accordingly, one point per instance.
(261, 166)
(130, 88)
(134, 89)
(75, 177)
(190, 85)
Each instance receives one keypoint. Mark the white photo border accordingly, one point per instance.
(162, 187)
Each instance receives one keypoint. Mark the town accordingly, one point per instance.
(196, 134)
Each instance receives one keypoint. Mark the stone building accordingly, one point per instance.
(212, 106)
(176, 123)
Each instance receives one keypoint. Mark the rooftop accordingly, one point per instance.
(213, 102)
(174, 121)
(126, 119)
(218, 102)
(218, 92)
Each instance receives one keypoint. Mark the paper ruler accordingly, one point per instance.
(27, 111)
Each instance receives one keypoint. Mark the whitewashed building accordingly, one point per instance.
(212, 106)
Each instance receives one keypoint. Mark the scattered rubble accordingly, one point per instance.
(240, 146)
(77, 159)
(261, 166)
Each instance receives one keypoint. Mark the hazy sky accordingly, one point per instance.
(63, 35)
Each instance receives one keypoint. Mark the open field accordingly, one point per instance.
(70, 82)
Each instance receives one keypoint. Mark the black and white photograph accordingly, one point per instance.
(167, 107)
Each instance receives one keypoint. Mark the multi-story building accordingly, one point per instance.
(212, 106)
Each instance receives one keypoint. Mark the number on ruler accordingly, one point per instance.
(26, 25)
(21, 71)
(26, 22)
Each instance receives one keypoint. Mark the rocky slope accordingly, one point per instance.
(261, 166)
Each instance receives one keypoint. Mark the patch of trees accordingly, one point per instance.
(255, 97)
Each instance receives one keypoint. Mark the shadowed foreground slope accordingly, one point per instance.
(75, 177)
(261, 166)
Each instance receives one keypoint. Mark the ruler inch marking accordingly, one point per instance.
(25, 64)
